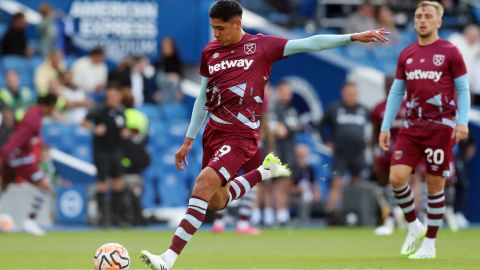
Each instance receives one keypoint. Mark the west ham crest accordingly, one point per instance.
(438, 59)
(397, 155)
(249, 48)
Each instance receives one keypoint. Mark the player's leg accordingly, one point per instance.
(381, 168)
(282, 187)
(435, 213)
(102, 164)
(118, 203)
(34, 175)
(399, 176)
(206, 185)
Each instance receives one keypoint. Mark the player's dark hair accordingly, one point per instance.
(225, 10)
(48, 99)
(114, 85)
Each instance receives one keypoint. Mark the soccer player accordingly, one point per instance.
(19, 161)
(381, 161)
(234, 68)
(434, 74)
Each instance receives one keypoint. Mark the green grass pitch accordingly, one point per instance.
(340, 248)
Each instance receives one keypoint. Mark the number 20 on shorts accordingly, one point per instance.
(435, 156)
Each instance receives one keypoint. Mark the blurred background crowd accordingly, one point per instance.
(325, 132)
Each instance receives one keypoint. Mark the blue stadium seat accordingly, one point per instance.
(172, 187)
(151, 111)
(174, 112)
(18, 63)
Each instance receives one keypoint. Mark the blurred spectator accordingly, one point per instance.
(142, 87)
(50, 71)
(347, 120)
(90, 72)
(385, 19)
(77, 101)
(285, 124)
(47, 30)
(15, 96)
(169, 72)
(465, 154)
(108, 125)
(136, 158)
(381, 162)
(361, 20)
(121, 74)
(469, 45)
(14, 41)
(306, 191)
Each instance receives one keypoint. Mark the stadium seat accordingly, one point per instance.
(151, 111)
(18, 63)
(174, 112)
(172, 187)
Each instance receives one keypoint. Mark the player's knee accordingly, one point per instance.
(397, 180)
(205, 185)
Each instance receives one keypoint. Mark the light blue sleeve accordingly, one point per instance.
(463, 99)
(394, 102)
(198, 112)
(315, 43)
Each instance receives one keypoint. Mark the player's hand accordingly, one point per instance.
(461, 132)
(371, 36)
(384, 140)
(182, 152)
(100, 129)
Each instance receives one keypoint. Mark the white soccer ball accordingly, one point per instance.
(111, 256)
(6, 223)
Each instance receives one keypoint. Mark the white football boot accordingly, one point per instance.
(31, 227)
(275, 166)
(155, 262)
(423, 253)
(413, 239)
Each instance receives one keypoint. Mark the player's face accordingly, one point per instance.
(427, 21)
(228, 32)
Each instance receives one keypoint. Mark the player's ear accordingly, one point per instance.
(237, 22)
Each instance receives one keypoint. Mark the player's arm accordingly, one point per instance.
(463, 97)
(21, 136)
(322, 42)
(394, 101)
(196, 121)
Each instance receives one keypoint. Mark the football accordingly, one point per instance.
(111, 256)
(6, 223)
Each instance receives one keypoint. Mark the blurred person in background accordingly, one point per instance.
(463, 165)
(468, 44)
(7, 124)
(384, 18)
(169, 72)
(49, 72)
(264, 189)
(108, 124)
(381, 162)
(141, 85)
(90, 73)
(347, 120)
(285, 123)
(19, 162)
(305, 191)
(47, 29)
(14, 41)
(13, 95)
(362, 19)
(77, 101)
(136, 158)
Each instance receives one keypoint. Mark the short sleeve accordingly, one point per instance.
(457, 65)
(203, 64)
(400, 68)
(274, 47)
